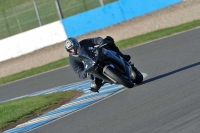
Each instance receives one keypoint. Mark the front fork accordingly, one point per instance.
(129, 71)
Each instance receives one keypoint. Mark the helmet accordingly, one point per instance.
(71, 43)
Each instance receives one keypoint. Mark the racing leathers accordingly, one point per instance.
(86, 44)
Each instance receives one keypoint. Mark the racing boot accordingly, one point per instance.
(127, 57)
(96, 84)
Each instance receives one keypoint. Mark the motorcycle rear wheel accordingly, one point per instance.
(113, 74)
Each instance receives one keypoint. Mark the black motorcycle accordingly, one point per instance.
(109, 66)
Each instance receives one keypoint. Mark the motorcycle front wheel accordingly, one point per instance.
(115, 75)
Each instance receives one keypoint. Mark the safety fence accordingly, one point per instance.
(17, 16)
(76, 25)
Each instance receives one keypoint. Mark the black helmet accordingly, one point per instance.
(71, 43)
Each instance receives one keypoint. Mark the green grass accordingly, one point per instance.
(34, 71)
(157, 34)
(121, 44)
(16, 110)
(19, 15)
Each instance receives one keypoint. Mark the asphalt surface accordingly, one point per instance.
(37, 83)
(166, 102)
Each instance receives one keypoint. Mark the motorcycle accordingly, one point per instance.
(109, 66)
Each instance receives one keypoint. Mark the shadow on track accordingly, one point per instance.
(170, 73)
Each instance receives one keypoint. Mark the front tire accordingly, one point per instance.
(139, 76)
(113, 74)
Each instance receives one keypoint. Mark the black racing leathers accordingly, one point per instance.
(76, 63)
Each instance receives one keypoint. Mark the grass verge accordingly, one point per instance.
(18, 111)
(157, 34)
(34, 71)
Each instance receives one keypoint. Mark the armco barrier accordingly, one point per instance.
(110, 14)
(32, 40)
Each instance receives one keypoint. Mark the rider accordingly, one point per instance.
(73, 46)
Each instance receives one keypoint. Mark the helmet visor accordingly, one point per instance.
(69, 44)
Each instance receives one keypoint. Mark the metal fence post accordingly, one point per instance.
(101, 2)
(37, 13)
(16, 17)
(59, 9)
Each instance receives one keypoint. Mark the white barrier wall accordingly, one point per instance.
(76, 25)
(32, 40)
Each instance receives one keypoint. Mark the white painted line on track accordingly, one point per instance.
(87, 99)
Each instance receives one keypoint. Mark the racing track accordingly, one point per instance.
(167, 101)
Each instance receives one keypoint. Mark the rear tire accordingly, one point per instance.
(113, 74)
